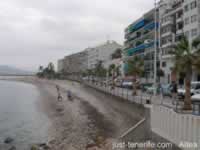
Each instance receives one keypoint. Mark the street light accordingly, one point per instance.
(155, 49)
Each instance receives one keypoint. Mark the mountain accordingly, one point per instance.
(7, 70)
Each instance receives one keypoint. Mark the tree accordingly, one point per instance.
(117, 70)
(135, 69)
(47, 72)
(160, 73)
(90, 72)
(41, 68)
(117, 54)
(99, 70)
(111, 69)
(50, 70)
(186, 58)
(51, 67)
(40, 73)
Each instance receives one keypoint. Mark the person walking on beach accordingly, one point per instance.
(59, 98)
(69, 95)
(57, 88)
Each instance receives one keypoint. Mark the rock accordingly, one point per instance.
(8, 140)
(34, 147)
(52, 142)
(44, 146)
(12, 148)
(59, 109)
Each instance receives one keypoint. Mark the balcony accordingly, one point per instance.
(151, 26)
(170, 43)
(170, 21)
(137, 26)
(179, 31)
(141, 47)
(168, 33)
(167, 56)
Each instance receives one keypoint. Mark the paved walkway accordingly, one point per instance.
(141, 97)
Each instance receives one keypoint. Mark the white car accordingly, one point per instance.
(195, 89)
(196, 97)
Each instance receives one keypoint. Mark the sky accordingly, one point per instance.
(35, 32)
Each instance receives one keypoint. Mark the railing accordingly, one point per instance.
(121, 93)
(140, 47)
(175, 127)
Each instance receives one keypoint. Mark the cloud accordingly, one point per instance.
(35, 32)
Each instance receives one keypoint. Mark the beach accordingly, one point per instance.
(91, 119)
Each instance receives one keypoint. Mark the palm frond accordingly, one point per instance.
(196, 45)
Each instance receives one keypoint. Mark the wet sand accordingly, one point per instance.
(90, 119)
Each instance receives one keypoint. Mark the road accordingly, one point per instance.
(90, 117)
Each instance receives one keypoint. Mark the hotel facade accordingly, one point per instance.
(174, 19)
(140, 41)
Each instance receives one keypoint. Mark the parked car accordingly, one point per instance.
(166, 90)
(195, 89)
(127, 84)
(145, 86)
(118, 83)
(196, 97)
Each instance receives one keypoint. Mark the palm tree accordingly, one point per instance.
(111, 69)
(40, 73)
(135, 69)
(51, 67)
(117, 70)
(41, 68)
(117, 54)
(111, 73)
(99, 70)
(186, 58)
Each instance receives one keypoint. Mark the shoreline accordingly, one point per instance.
(45, 103)
(85, 121)
(57, 113)
(39, 104)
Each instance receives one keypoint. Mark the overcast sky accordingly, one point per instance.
(34, 32)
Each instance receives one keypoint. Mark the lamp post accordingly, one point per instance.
(155, 50)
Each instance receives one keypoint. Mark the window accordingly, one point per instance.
(193, 18)
(164, 64)
(166, 40)
(166, 29)
(193, 5)
(168, 18)
(187, 21)
(179, 38)
(180, 26)
(187, 34)
(186, 8)
(179, 14)
(194, 32)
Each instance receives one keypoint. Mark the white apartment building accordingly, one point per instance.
(102, 53)
(73, 64)
(60, 65)
(177, 18)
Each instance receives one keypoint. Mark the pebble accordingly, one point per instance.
(8, 140)
(12, 148)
